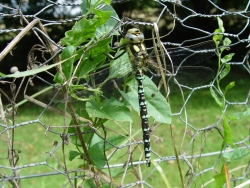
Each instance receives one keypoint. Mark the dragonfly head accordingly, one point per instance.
(134, 35)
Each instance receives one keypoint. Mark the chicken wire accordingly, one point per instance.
(198, 159)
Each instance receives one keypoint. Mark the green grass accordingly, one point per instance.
(35, 142)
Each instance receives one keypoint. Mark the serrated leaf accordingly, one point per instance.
(81, 32)
(103, 16)
(85, 29)
(216, 98)
(236, 155)
(240, 115)
(157, 106)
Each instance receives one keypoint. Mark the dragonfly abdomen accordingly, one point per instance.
(143, 115)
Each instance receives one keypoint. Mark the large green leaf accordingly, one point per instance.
(109, 109)
(109, 25)
(85, 29)
(94, 57)
(239, 115)
(98, 147)
(220, 180)
(157, 106)
(236, 155)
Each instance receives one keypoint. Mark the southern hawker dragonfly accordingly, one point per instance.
(138, 64)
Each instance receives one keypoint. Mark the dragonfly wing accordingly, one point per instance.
(189, 76)
(190, 55)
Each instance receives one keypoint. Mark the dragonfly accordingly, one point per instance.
(140, 60)
(138, 57)
(140, 63)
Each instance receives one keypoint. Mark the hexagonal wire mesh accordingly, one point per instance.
(36, 143)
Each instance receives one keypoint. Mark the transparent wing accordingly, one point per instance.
(109, 79)
(190, 55)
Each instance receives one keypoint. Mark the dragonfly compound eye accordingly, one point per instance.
(134, 36)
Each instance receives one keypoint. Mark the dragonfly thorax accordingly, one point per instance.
(136, 49)
(138, 55)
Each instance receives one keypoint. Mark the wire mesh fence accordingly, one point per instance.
(65, 124)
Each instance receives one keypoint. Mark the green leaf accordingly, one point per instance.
(97, 149)
(226, 41)
(81, 32)
(97, 155)
(109, 25)
(224, 72)
(236, 155)
(67, 67)
(227, 58)
(227, 132)
(217, 37)
(89, 183)
(73, 155)
(75, 140)
(1, 74)
(110, 109)
(157, 106)
(220, 23)
(114, 140)
(229, 86)
(94, 57)
(34, 71)
(216, 98)
(100, 47)
(86, 5)
(58, 78)
(106, 22)
(85, 29)
(120, 67)
(107, 2)
(220, 179)
(240, 115)
(94, 110)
